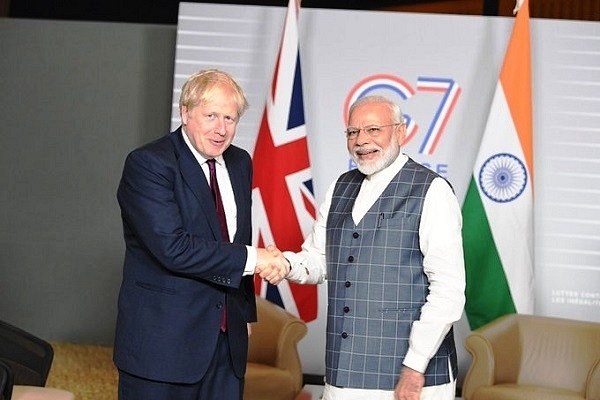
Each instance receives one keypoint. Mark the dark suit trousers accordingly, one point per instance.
(219, 382)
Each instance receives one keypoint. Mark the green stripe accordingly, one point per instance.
(487, 292)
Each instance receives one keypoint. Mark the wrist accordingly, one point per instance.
(289, 264)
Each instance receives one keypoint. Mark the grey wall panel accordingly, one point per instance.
(75, 97)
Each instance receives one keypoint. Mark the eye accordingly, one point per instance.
(372, 130)
(230, 120)
(352, 132)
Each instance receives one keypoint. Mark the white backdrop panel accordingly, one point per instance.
(341, 48)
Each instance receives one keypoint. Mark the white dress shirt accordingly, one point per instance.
(227, 197)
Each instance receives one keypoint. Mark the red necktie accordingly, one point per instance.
(214, 188)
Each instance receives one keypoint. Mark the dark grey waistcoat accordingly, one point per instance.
(376, 284)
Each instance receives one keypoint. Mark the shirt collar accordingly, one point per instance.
(199, 157)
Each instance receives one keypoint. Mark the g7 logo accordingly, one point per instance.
(447, 87)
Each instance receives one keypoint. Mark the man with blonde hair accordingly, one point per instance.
(187, 294)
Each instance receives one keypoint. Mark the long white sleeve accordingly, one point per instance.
(309, 265)
(441, 245)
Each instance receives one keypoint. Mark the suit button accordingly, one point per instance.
(219, 305)
(344, 335)
(351, 258)
(355, 235)
(348, 284)
(346, 309)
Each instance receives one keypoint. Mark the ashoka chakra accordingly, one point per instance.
(503, 177)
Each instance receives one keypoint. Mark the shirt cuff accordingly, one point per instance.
(415, 361)
(297, 273)
(250, 261)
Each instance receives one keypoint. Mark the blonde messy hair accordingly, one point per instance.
(199, 89)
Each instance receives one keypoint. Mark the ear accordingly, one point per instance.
(184, 115)
(401, 134)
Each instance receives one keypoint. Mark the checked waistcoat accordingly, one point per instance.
(376, 283)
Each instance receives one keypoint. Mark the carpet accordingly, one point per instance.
(87, 371)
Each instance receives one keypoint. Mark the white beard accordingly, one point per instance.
(385, 159)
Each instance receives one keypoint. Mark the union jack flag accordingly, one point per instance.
(283, 197)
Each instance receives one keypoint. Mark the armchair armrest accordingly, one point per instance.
(592, 387)
(495, 349)
(481, 370)
(274, 339)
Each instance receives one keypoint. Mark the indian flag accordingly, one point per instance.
(498, 208)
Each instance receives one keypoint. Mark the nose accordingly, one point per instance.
(220, 126)
(362, 137)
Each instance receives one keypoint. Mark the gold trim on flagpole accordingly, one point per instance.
(518, 5)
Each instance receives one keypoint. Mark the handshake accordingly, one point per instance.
(271, 265)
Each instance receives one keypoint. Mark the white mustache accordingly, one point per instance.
(365, 149)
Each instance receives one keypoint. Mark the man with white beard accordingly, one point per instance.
(388, 242)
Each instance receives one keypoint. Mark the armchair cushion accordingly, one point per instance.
(511, 391)
(531, 357)
(21, 392)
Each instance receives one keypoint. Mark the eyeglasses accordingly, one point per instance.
(371, 130)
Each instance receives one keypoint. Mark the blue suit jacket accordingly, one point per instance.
(177, 272)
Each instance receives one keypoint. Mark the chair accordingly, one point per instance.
(274, 370)
(6, 381)
(29, 356)
(28, 359)
(533, 358)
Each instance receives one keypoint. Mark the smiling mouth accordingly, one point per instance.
(365, 152)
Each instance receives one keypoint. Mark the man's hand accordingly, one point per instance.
(409, 385)
(271, 265)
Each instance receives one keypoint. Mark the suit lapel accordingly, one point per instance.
(193, 175)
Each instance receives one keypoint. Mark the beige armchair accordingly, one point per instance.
(534, 358)
(274, 371)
